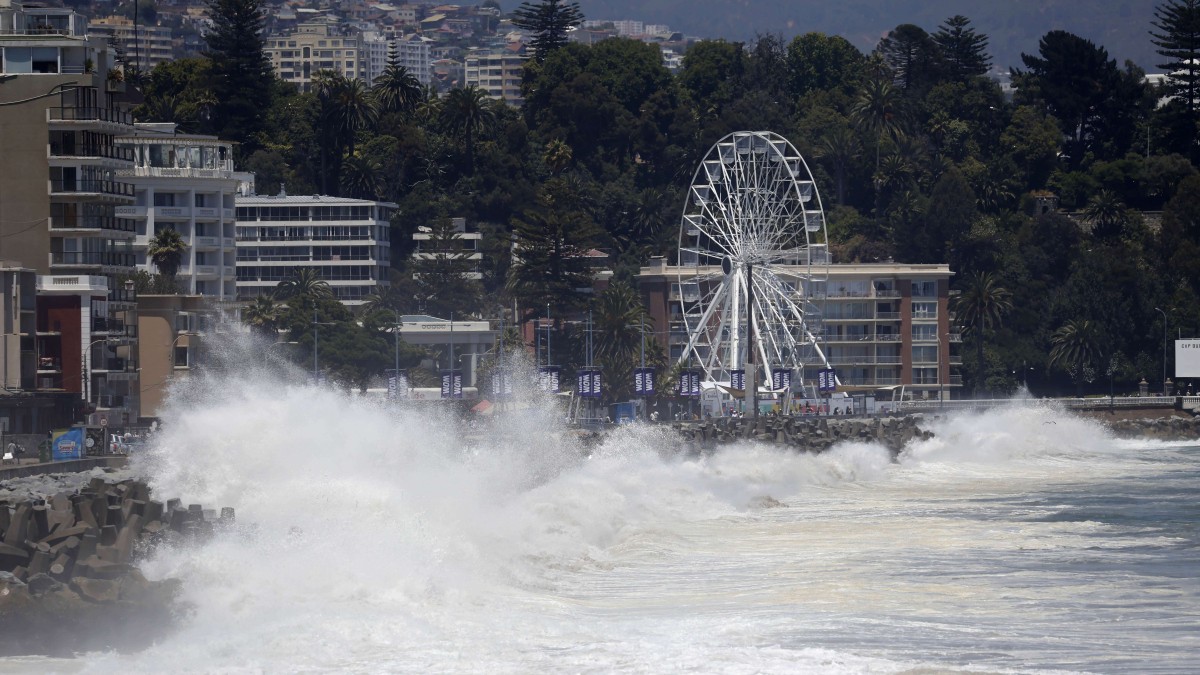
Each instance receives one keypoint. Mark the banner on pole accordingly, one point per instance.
(827, 380)
(588, 384)
(548, 378)
(452, 384)
(781, 379)
(501, 383)
(397, 386)
(737, 379)
(643, 381)
(689, 383)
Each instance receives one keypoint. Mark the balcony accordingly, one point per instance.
(86, 186)
(93, 223)
(84, 114)
(185, 172)
(131, 212)
(172, 212)
(207, 242)
(91, 151)
(887, 316)
(93, 259)
(207, 214)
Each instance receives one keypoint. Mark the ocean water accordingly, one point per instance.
(373, 540)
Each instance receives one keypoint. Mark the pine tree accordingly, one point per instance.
(1178, 42)
(242, 77)
(549, 21)
(963, 50)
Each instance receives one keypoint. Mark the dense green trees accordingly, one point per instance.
(166, 251)
(925, 157)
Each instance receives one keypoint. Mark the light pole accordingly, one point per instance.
(86, 384)
(317, 345)
(1164, 379)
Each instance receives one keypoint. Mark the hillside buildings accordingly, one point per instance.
(144, 46)
(497, 73)
(345, 240)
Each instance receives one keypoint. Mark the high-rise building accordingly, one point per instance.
(497, 73)
(143, 46)
(346, 241)
(62, 106)
(316, 46)
(413, 52)
(185, 182)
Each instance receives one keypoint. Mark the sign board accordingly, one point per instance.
(398, 386)
(548, 379)
(452, 384)
(1187, 358)
(643, 381)
(827, 380)
(781, 379)
(68, 444)
(737, 379)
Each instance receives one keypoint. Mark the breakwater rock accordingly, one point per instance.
(67, 579)
(1159, 428)
(804, 434)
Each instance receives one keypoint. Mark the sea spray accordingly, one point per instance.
(382, 540)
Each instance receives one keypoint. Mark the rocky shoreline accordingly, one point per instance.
(68, 576)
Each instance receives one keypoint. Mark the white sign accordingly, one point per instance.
(1187, 358)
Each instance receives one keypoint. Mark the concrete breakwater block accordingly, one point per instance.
(71, 561)
(804, 434)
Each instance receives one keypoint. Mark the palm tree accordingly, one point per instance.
(397, 89)
(166, 252)
(619, 317)
(878, 112)
(1076, 349)
(360, 178)
(466, 111)
(557, 156)
(841, 148)
(355, 109)
(1106, 214)
(306, 287)
(982, 305)
(262, 315)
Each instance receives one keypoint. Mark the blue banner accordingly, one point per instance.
(826, 380)
(587, 384)
(68, 444)
(643, 381)
(689, 383)
(781, 379)
(452, 384)
(501, 383)
(548, 378)
(737, 379)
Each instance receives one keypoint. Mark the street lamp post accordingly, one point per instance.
(317, 345)
(86, 384)
(1164, 378)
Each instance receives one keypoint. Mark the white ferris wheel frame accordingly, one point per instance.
(753, 211)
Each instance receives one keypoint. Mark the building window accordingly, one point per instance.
(924, 332)
(924, 289)
(925, 354)
(925, 376)
(924, 310)
(164, 199)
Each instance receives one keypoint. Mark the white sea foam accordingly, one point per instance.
(373, 540)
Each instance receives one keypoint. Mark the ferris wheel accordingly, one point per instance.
(752, 251)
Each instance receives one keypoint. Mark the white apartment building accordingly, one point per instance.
(316, 46)
(345, 240)
(185, 182)
(413, 51)
(153, 44)
(375, 52)
(499, 74)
